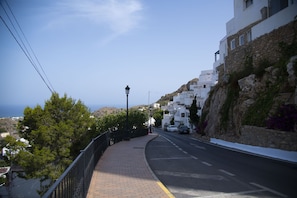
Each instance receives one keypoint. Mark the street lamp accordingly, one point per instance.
(150, 120)
(127, 89)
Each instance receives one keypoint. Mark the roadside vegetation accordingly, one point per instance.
(56, 133)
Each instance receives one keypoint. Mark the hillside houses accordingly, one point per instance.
(178, 109)
(254, 34)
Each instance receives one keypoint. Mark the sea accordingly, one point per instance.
(7, 111)
(12, 110)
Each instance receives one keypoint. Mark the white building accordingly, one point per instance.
(178, 109)
(256, 18)
(260, 16)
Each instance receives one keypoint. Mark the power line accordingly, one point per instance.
(25, 53)
(23, 46)
(29, 44)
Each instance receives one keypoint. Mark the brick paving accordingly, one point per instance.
(123, 171)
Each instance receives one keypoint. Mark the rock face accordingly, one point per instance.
(251, 89)
(292, 79)
(213, 110)
(256, 79)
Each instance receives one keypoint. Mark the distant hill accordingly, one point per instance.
(169, 97)
(106, 111)
(163, 100)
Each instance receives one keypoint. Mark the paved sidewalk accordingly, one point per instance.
(123, 171)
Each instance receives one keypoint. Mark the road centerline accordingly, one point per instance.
(226, 172)
(206, 163)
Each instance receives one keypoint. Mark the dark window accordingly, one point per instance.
(277, 5)
(248, 3)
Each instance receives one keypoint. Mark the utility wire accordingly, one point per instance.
(25, 54)
(23, 46)
(29, 44)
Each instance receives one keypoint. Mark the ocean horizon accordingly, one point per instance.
(7, 111)
(12, 110)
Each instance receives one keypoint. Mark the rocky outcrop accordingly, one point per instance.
(292, 79)
(256, 79)
(250, 89)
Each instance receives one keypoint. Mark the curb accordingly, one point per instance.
(161, 185)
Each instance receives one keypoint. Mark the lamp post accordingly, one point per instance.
(127, 89)
(150, 120)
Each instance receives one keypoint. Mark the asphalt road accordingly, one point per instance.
(190, 168)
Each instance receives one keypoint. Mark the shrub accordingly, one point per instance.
(201, 127)
(285, 118)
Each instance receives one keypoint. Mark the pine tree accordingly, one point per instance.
(56, 133)
(194, 118)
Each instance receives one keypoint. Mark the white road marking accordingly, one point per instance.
(268, 189)
(170, 158)
(235, 194)
(195, 158)
(206, 163)
(191, 175)
(226, 172)
(198, 147)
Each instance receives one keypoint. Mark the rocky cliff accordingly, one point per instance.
(252, 96)
(257, 92)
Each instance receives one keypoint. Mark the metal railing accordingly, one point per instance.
(75, 181)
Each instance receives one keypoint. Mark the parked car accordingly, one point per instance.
(183, 129)
(165, 127)
(172, 128)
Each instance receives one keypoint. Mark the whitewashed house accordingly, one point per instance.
(201, 90)
(252, 19)
(178, 109)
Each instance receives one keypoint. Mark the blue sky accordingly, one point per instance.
(92, 49)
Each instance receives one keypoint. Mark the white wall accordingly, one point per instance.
(244, 16)
(277, 20)
(223, 48)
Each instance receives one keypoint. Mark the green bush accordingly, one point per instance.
(257, 113)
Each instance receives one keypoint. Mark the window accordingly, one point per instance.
(249, 36)
(241, 40)
(277, 5)
(232, 44)
(248, 3)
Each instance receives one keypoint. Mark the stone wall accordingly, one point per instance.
(264, 47)
(259, 136)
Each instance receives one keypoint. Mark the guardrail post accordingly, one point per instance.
(84, 169)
